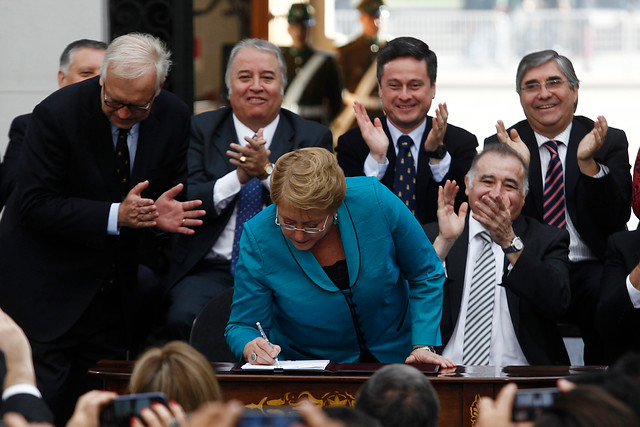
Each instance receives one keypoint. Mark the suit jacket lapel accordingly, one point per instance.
(572, 171)
(536, 180)
(148, 134)
(456, 267)
(282, 139)
(100, 140)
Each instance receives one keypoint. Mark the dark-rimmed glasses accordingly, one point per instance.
(134, 109)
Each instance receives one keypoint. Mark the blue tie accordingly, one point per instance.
(249, 204)
(404, 184)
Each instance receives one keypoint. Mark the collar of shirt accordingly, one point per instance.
(562, 137)
(133, 133)
(415, 134)
(267, 132)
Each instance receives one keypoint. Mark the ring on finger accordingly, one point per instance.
(183, 220)
(254, 357)
(242, 159)
(174, 423)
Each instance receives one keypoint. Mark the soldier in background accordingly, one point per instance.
(315, 90)
(357, 61)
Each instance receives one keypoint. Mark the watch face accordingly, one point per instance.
(517, 243)
(268, 168)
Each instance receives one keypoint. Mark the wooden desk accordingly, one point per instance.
(458, 390)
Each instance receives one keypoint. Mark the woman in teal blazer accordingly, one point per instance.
(336, 269)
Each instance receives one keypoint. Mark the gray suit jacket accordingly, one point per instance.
(211, 134)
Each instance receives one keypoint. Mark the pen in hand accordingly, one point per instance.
(267, 340)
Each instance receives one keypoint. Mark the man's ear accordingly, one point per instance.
(161, 86)
(61, 77)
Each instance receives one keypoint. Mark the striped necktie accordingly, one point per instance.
(404, 184)
(553, 197)
(477, 331)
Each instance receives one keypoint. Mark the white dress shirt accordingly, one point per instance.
(505, 349)
(228, 186)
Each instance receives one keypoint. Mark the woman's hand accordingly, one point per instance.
(421, 355)
(260, 352)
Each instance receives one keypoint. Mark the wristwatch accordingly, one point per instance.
(429, 348)
(516, 246)
(268, 169)
(439, 152)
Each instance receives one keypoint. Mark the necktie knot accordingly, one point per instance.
(552, 146)
(405, 142)
(123, 133)
(485, 237)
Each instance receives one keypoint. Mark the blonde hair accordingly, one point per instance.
(308, 179)
(179, 371)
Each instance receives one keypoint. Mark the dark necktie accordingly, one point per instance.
(553, 197)
(404, 184)
(249, 204)
(122, 162)
(477, 330)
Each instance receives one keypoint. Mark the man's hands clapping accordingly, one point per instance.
(250, 159)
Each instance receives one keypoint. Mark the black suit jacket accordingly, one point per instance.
(33, 408)
(597, 207)
(11, 160)
(54, 249)
(617, 320)
(352, 152)
(537, 288)
(211, 134)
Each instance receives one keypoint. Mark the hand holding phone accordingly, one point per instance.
(529, 403)
(119, 412)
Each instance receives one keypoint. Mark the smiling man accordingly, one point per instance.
(230, 161)
(103, 160)
(436, 150)
(579, 175)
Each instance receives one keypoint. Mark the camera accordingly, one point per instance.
(118, 412)
(528, 404)
(282, 418)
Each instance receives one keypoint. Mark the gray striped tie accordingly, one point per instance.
(477, 331)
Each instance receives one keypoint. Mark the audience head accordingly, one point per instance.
(351, 417)
(80, 60)
(406, 72)
(548, 89)
(587, 406)
(179, 371)
(134, 69)
(399, 396)
(499, 172)
(307, 187)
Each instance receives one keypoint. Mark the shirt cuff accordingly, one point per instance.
(112, 224)
(441, 170)
(634, 294)
(604, 171)
(373, 168)
(225, 189)
(20, 389)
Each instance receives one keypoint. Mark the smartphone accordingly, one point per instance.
(118, 412)
(529, 403)
(283, 418)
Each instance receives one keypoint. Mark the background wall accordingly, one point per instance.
(33, 34)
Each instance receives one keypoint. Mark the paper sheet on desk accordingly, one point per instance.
(319, 365)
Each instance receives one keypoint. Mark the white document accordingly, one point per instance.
(290, 364)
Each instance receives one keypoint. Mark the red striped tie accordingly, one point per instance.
(554, 189)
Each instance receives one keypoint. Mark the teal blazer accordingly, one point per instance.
(394, 273)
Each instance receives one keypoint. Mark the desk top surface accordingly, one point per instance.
(120, 369)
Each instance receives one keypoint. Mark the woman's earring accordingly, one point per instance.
(335, 219)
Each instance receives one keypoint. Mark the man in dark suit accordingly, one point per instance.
(231, 150)
(80, 60)
(439, 151)
(523, 283)
(618, 314)
(595, 183)
(70, 234)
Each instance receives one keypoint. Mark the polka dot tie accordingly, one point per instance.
(249, 204)
(404, 184)
(122, 162)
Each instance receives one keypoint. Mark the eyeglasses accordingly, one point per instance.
(309, 230)
(134, 109)
(549, 85)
